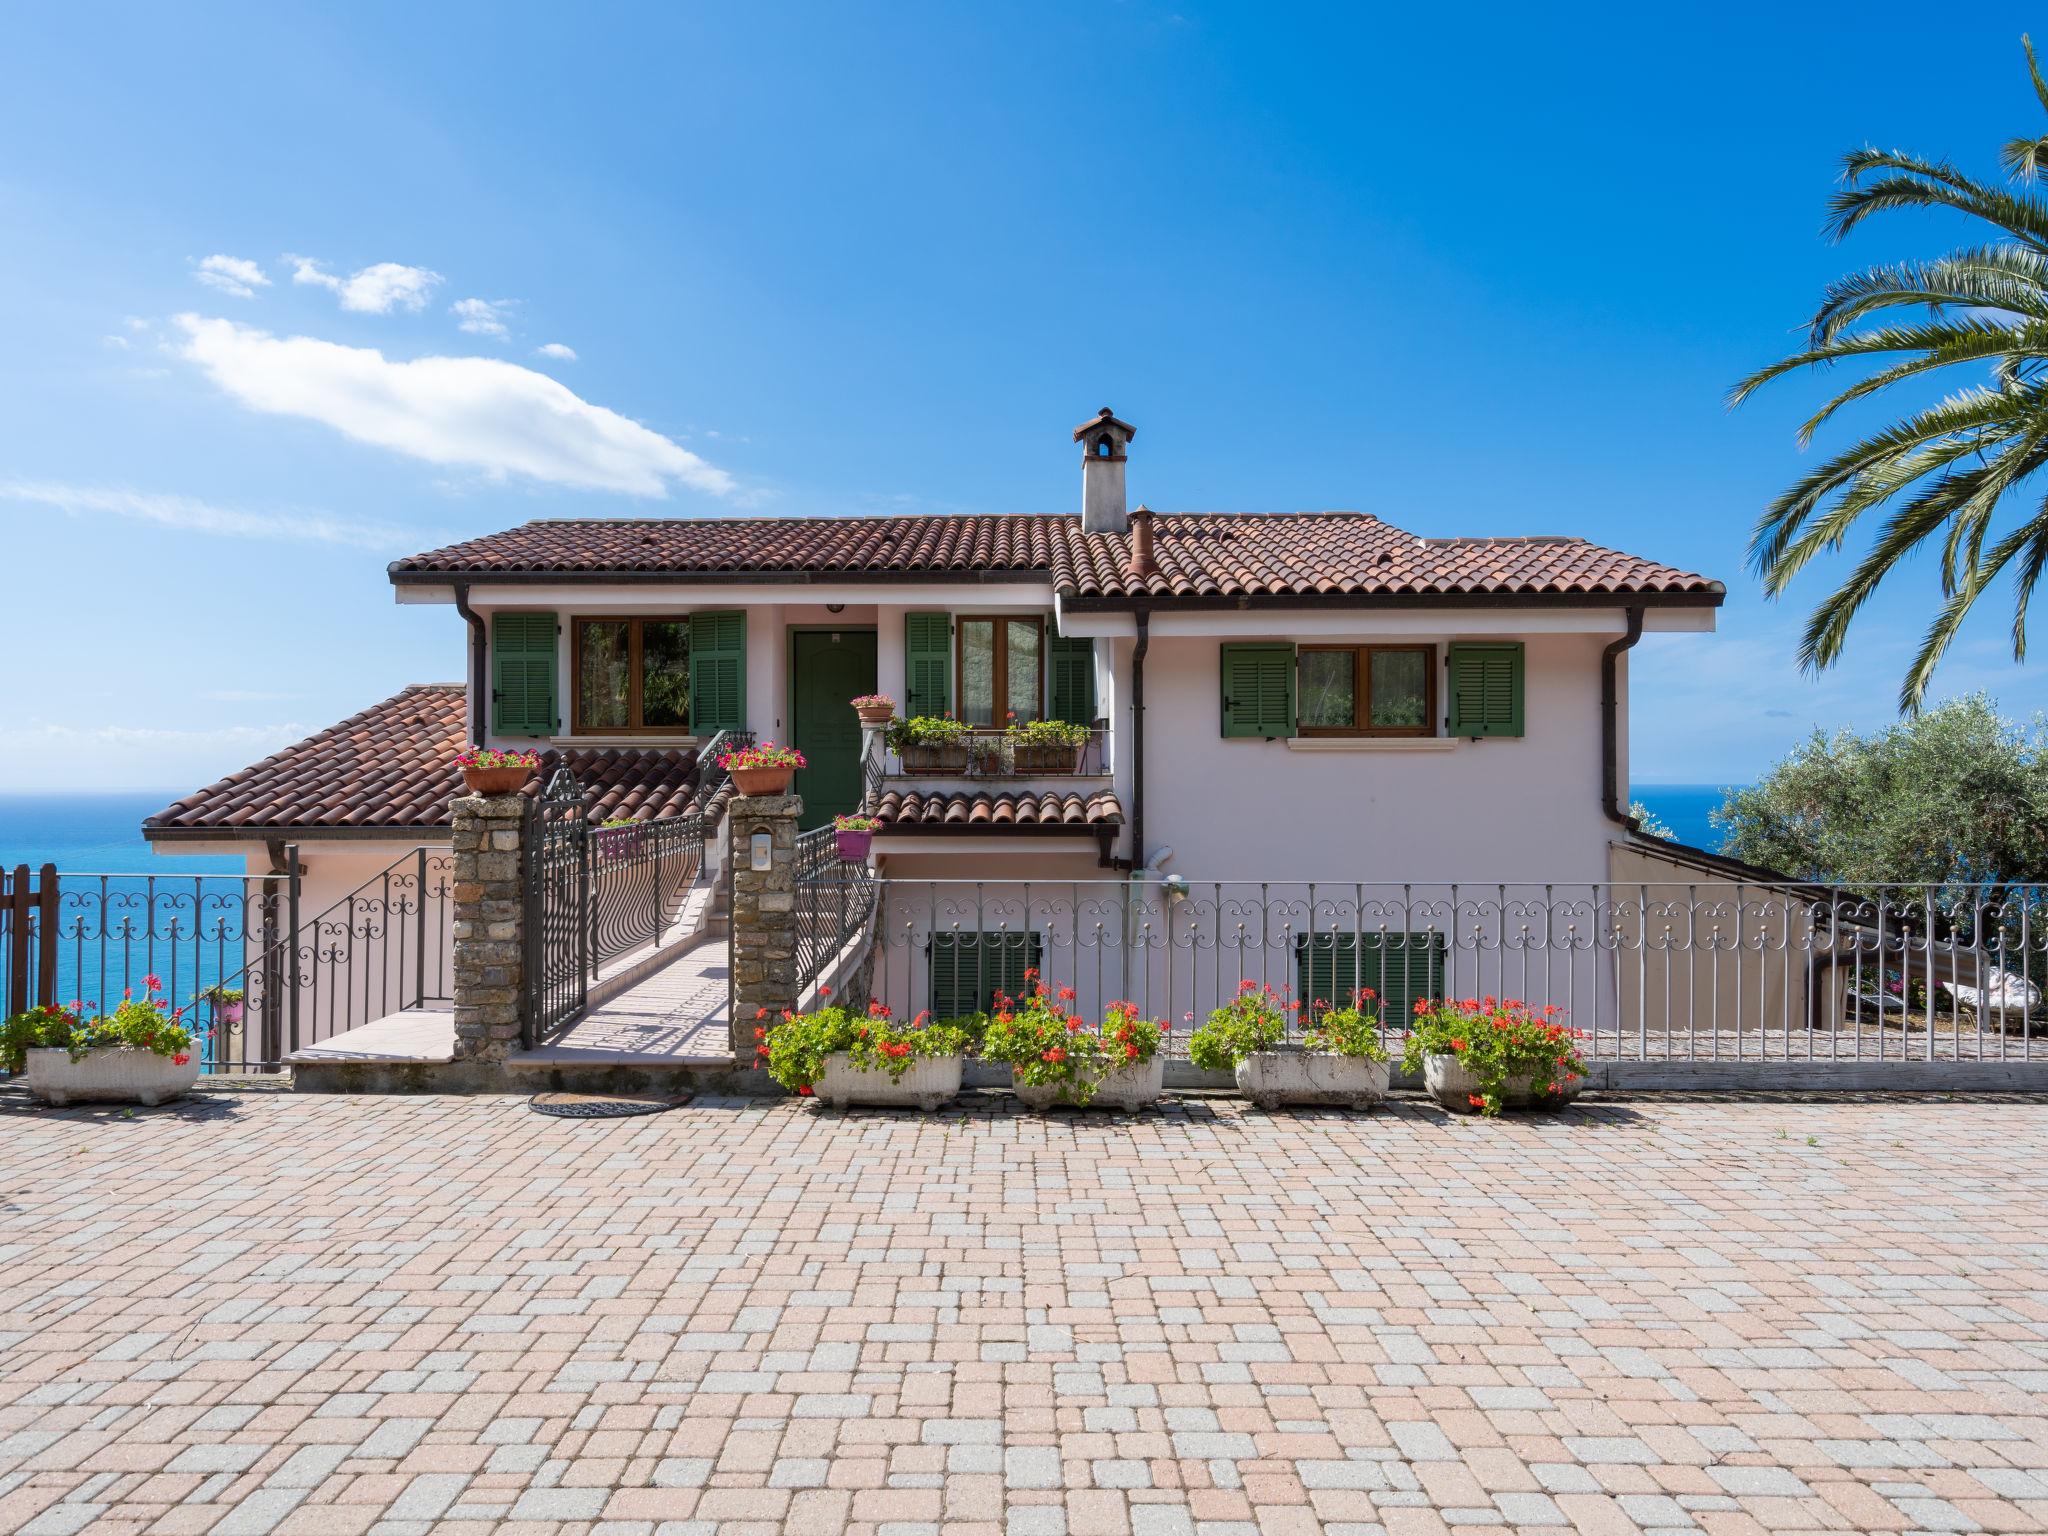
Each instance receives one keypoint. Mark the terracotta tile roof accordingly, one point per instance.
(1200, 556)
(917, 810)
(387, 772)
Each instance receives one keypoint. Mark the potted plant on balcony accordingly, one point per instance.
(492, 771)
(930, 743)
(140, 1051)
(1056, 1057)
(1485, 1054)
(762, 770)
(1046, 746)
(1339, 1059)
(875, 708)
(854, 836)
(845, 1057)
(225, 1002)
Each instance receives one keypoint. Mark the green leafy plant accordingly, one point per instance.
(619, 821)
(926, 731)
(147, 1023)
(1046, 1044)
(856, 824)
(795, 1048)
(1352, 1030)
(1254, 1020)
(220, 997)
(1046, 733)
(1498, 1042)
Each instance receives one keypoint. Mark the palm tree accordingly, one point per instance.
(1945, 470)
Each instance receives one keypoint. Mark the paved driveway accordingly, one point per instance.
(394, 1315)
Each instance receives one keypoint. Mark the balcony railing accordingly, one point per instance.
(995, 755)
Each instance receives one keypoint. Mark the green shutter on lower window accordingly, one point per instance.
(718, 672)
(523, 674)
(969, 969)
(1070, 679)
(927, 664)
(1258, 691)
(1400, 968)
(1484, 687)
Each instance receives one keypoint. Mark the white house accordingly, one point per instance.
(1291, 698)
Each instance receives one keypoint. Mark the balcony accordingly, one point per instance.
(987, 781)
(985, 755)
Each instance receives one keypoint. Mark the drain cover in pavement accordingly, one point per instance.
(605, 1106)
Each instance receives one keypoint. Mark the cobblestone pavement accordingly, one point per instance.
(264, 1312)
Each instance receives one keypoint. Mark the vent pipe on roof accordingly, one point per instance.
(1105, 444)
(1141, 562)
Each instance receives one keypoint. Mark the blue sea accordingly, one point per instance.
(99, 834)
(1686, 809)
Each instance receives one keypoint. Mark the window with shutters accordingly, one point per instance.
(969, 969)
(1367, 690)
(632, 676)
(1001, 669)
(523, 674)
(1400, 969)
(1258, 691)
(1484, 684)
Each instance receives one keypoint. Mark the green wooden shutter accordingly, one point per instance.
(1485, 687)
(1258, 690)
(968, 969)
(1399, 967)
(718, 672)
(927, 664)
(523, 674)
(1070, 673)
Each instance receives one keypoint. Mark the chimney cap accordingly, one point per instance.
(1104, 420)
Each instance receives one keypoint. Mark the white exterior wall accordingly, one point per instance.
(1391, 809)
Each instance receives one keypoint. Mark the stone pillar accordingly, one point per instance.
(763, 913)
(489, 925)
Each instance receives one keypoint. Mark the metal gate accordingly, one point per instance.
(557, 968)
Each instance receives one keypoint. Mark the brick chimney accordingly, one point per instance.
(1105, 442)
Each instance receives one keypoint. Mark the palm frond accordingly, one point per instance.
(2006, 277)
(1914, 183)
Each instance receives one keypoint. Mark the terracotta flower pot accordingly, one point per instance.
(875, 714)
(1044, 759)
(496, 781)
(931, 758)
(763, 781)
(853, 846)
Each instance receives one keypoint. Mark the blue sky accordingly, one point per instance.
(277, 285)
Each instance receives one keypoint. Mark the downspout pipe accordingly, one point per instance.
(478, 640)
(1144, 644)
(1610, 721)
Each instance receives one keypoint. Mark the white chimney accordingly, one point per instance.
(1104, 442)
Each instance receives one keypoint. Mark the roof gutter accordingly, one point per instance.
(1610, 714)
(477, 642)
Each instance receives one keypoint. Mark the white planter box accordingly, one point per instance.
(927, 1082)
(1451, 1085)
(1272, 1078)
(109, 1073)
(1128, 1088)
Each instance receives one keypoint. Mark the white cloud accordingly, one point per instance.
(557, 351)
(231, 274)
(171, 759)
(481, 317)
(478, 412)
(192, 515)
(372, 290)
(118, 343)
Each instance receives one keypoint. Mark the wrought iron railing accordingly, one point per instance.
(1652, 972)
(835, 900)
(992, 754)
(713, 780)
(641, 874)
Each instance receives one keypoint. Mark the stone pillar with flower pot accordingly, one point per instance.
(489, 924)
(763, 864)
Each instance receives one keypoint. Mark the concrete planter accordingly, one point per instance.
(926, 1083)
(931, 758)
(1447, 1081)
(116, 1072)
(1045, 759)
(1129, 1088)
(1273, 1078)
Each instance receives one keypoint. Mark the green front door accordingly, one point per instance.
(828, 669)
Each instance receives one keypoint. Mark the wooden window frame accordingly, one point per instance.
(999, 667)
(1361, 692)
(632, 621)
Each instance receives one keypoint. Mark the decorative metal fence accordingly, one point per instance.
(1649, 972)
(835, 900)
(92, 939)
(557, 917)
